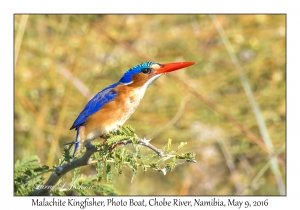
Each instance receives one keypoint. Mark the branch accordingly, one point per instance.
(82, 161)
(145, 142)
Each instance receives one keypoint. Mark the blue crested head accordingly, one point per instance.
(135, 70)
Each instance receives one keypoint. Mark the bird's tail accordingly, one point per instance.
(77, 142)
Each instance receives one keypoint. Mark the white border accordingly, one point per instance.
(153, 6)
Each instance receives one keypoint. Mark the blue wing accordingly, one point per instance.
(100, 99)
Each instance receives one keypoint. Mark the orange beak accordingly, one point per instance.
(173, 67)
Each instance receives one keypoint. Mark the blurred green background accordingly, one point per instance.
(63, 60)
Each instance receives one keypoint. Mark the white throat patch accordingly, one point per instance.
(149, 82)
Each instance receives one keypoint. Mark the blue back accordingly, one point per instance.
(100, 99)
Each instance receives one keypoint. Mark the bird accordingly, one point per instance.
(113, 106)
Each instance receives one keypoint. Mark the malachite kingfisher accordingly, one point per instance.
(112, 106)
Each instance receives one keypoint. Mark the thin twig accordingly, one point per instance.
(81, 87)
(230, 165)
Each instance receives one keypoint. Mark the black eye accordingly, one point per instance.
(146, 70)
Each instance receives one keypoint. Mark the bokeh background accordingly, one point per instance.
(63, 60)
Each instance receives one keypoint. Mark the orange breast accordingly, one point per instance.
(114, 113)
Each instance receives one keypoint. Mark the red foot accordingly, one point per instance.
(103, 137)
(113, 147)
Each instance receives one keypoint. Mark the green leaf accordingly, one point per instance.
(67, 156)
(169, 145)
(41, 169)
(99, 171)
(182, 144)
(105, 189)
(134, 175)
(108, 173)
(75, 174)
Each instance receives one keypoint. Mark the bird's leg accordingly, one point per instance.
(103, 137)
(111, 147)
(105, 140)
(114, 146)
